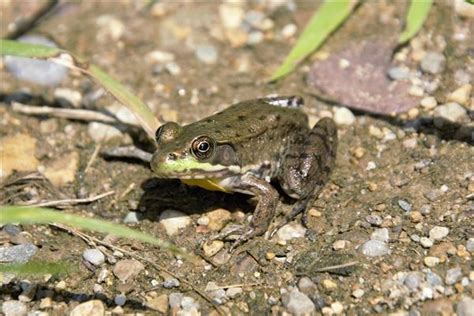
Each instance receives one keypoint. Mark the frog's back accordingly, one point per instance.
(249, 119)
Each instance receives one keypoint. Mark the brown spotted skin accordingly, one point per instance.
(267, 139)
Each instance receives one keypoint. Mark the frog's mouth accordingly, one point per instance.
(192, 169)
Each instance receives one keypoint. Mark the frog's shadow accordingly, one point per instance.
(164, 194)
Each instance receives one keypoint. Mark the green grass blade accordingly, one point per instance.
(147, 120)
(21, 49)
(417, 14)
(32, 215)
(325, 20)
(34, 267)
(144, 115)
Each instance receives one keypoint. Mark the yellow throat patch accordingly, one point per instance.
(208, 184)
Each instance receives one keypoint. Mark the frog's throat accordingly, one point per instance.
(212, 184)
(192, 169)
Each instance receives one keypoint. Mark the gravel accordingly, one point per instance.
(453, 275)
(375, 248)
(465, 307)
(433, 63)
(94, 256)
(17, 254)
(120, 300)
(173, 221)
(206, 53)
(343, 116)
(470, 245)
(14, 308)
(398, 73)
(298, 303)
(404, 205)
(380, 234)
(450, 111)
(438, 232)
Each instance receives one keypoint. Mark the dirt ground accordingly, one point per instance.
(399, 185)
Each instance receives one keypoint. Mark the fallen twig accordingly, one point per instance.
(73, 114)
(93, 157)
(69, 202)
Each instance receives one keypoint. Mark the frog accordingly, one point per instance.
(262, 147)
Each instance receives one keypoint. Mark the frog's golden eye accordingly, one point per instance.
(202, 147)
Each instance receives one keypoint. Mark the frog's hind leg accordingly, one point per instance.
(307, 169)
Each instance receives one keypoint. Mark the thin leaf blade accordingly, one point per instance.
(145, 116)
(416, 16)
(35, 267)
(32, 215)
(329, 16)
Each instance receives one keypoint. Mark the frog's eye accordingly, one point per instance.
(202, 147)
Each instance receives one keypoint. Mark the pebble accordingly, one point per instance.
(425, 209)
(17, 254)
(41, 72)
(410, 143)
(426, 242)
(206, 53)
(18, 153)
(380, 234)
(67, 97)
(120, 299)
(14, 308)
(416, 217)
(159, 57)
(433, 279)
(450, 111)
(61, 285)
(404, 205)
(375, 248)
(90, 308)
(127, 269)
(218, 218)
(462, 77)
(123, 114)
(431, 261)
(465, 307)
(374, 219)
(173, 68)
(231, 14)
(173, 221)
(470, 245)
(290, 231)
(329, 284)
(371, 166)
(289, 30)
(212, 247)
(62, 170)
(337, 308)
(433, 63)
(188, 303)
(255, 38)
(461, 95)
(398, 73)
(340, 244)
(298, 303)
(94, 256)
(428, 103)
(307, 286)
(159, 303)
(233, 292)
(413, 280)
(170, 283)
(131, 218)
(416, 91)
(453, 275)
(343, 116)
(100, 132)
(438, 232)
(175, 299)
(110, 27)
(358, 293)
(46, 303)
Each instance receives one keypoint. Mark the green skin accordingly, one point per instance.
(245, 147)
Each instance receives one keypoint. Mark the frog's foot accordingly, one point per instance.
(229, 232)
(297, 209)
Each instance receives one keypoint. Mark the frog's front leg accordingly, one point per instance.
(265, 209)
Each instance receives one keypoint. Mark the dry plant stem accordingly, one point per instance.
(73, 114)
(69, 202)
(93, 157)
(24, 25)
(339, 266)
(90, 240)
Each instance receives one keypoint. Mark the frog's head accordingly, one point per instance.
(185, 152)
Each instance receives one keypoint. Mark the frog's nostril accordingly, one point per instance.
(172, 156)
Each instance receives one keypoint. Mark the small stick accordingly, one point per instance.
(25, 24)
(73, 114)
(336, 267)
(93, 157)
(128, 152)
(68, 202)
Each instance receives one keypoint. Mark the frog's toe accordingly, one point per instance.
(230, 232)
(249, 234)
